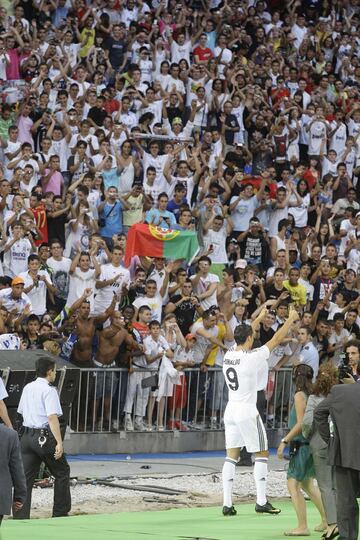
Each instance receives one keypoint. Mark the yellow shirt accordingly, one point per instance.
(90, 42)
(297, 293)
(214, 350)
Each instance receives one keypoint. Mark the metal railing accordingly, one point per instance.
(113, 400)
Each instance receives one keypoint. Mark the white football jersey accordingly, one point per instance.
(245, 373)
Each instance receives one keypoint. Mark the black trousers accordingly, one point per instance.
(347, 488)
(33, 455)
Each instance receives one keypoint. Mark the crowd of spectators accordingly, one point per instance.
(238, 120)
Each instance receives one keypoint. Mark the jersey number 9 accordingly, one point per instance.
(232, 379)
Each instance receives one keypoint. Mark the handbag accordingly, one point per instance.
(102, 221)
(151, 382)
(295, 446)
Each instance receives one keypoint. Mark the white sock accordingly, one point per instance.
(260, 477)
(228, 473)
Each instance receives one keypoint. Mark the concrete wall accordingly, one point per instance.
(151, 443)
(130, 443)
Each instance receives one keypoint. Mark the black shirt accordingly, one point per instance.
(97, 115)
(272, 293)
(116, 49)
(184, 313)
(265, 335)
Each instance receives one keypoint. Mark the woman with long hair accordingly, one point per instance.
(326, 379)
(301, 471)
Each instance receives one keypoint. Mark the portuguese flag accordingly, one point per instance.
(150, 241)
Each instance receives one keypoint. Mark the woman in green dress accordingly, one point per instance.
(301, 471)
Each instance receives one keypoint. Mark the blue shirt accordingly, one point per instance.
(113, 219)
(111, 178)
(153, 216)
(310, 356)
(175, 207)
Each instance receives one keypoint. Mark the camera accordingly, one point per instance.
(344, 368)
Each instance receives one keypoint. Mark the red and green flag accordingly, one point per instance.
(150, 241)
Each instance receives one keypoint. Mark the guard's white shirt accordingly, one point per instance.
(245, 373)
(38, 401)
(3, 392)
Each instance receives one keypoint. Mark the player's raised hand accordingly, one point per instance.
(293, 314)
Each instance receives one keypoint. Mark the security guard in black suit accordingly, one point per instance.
(41, 439)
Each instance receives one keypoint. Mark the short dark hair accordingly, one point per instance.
(154, 323)
(353, 343)
(242, 332)
(44, 365)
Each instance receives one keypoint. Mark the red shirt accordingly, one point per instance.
(41, 223)
(203, 54)
(111, 105)
(255, 181)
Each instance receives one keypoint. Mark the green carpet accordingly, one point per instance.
(177, 524)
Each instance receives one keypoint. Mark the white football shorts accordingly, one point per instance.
(241, 430)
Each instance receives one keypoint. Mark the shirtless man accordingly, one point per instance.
(224, 292)
(85, 327)
(110, 339)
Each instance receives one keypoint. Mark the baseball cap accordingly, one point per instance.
(177, 120)
(190, 336)
(17, 281)
(358, 214)
(241, 263)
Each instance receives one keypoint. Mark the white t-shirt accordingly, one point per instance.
(300, 213)
(217, 240)
(202, 286)
(159, 163)
(4, 61)
(179, 52)
(104, 296)
(317, 134)
(202, 343)
(60, 275)
(3, 392)
(226, 57)
(243, 212)
(153, 347)
(11, 303)
(154, 304)
(338, 140)
(15, 259)
(10, 149)
(37, 294)
(245, 373)
(79, 281)
(8, 342)
(347, 226)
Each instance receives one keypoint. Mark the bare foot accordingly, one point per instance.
(297, 532)
(321, 527)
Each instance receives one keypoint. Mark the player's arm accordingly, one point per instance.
(203, 333)
(283, 331)
(260, 317)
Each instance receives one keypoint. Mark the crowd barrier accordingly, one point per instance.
(197, 404)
